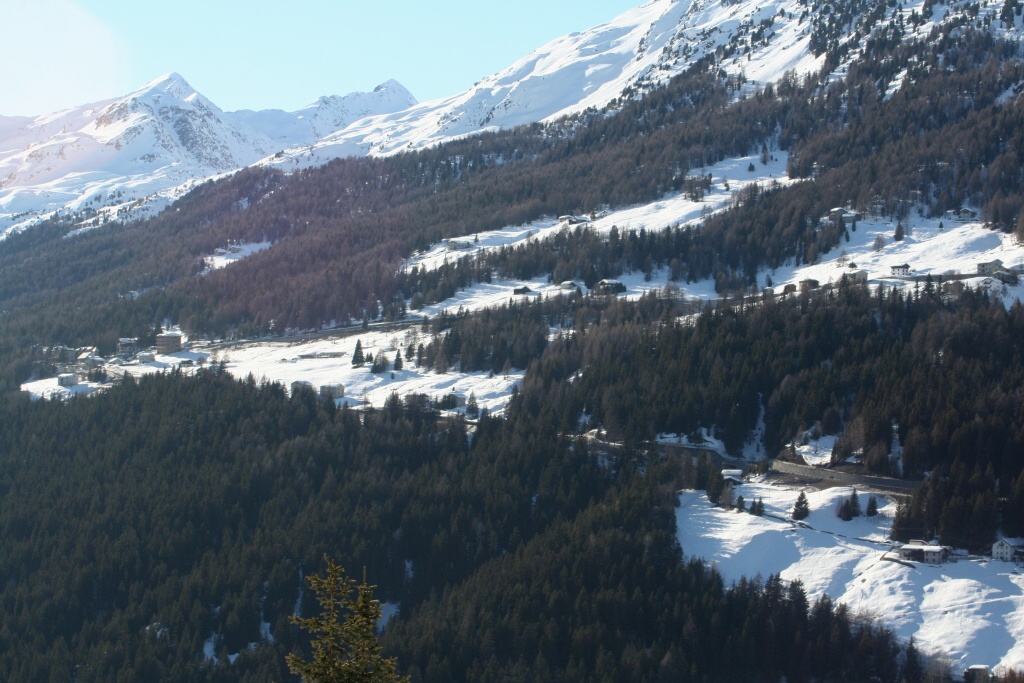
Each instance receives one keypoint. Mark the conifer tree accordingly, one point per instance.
(357, 355)
(345, 647)
(801, 509)
(872, 509)
(398, 362)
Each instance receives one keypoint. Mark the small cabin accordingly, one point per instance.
(977, 673)
(301, 385)
(902, 270)
(127, 344)
(609, 287)
(88, 360)
(734, 476)
(990, 267)
(841, 216)
(1005, 551)
(857, 277)
(568, 285)
(919, 551)
(145, 357)
(808, 284)
(1007, 277)
(518, 291)
(168, 342)
(67, 379)
(960, 215)
(332, 391)
(789, 289)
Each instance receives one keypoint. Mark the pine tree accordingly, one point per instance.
(345, 647)
(855, 504)
(398, 362)
(714, 485)
(872, 506)
(802, 508)
(843, 510)
(357, 355)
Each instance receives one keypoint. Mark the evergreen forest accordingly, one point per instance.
(164, 529)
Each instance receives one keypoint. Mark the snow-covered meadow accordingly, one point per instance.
(971, 609)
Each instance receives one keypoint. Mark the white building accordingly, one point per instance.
(990, 267)
(1004, 550)
(168, 342)
(332, 391)
(919, 551)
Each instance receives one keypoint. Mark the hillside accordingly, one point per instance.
(162, 526)
(130, 157)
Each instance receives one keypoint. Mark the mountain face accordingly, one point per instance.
(112, 157)
(639, 50)
(166, 135)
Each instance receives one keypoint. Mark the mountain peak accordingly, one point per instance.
(172, 84)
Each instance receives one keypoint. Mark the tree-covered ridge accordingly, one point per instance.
(937, 378)
(185, 512)
(948, 135)
(173, 509)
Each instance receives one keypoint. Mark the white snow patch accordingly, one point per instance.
(970, 609)
(236, 252)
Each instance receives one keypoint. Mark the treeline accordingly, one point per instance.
(173, 515)
(604, 597)
(947, 136)
(909, 381)
(162, 530)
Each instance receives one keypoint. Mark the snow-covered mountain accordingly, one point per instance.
(640, 49)
(161, 138)
(166, 137)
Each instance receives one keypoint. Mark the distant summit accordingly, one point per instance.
(108, 159)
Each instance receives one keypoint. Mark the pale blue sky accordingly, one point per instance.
(260, 54)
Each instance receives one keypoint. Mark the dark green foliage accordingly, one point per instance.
(191, 507)
(801, 509)
(345, 647)
(872, 508)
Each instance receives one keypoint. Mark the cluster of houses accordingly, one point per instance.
(606, 286)
(919, 551)
(994, 268)
(87, 358)
(327, 391)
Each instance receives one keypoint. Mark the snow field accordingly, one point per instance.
(971, 609)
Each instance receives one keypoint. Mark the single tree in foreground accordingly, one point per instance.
(802, 508)
(345, 646)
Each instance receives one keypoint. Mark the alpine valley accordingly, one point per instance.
(686, 348)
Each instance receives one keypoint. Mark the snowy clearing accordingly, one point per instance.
(970, 609)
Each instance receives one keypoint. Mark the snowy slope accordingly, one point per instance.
(969, 609)
(161, 138)
(166, 137)
(640, 49)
